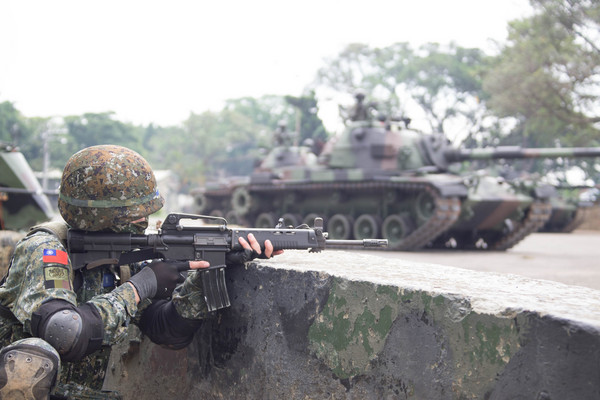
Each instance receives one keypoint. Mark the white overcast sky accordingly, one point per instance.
(157, 61)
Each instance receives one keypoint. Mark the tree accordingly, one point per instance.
(440, 83)
(374, 70)
(266, 111)
(12, 124)
(547, 76)
(92, 129)
(446, 83)
(24, 133)
(207, 146)
(270, 111)
(311, 126)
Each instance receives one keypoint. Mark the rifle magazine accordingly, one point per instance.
(215, 288)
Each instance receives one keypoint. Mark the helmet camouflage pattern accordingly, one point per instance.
(107, 187)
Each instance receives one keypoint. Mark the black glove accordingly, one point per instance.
(158, 279)
(240, 257)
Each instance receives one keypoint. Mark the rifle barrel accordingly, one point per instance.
(363, 242)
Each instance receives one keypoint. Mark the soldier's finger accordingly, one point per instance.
(244, 243)
(268, 248)
(254, 243)
(199, 264)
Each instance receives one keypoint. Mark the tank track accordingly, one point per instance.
(446, 210)
(578, 219)
(446, 213)
(538, 215)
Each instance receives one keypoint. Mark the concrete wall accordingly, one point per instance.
(339, 325)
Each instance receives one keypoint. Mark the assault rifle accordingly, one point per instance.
(176, 241)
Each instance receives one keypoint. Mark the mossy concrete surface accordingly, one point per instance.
(340, 325)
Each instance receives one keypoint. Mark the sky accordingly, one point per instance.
(157, 61)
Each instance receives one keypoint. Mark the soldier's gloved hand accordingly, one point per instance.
(251, 250)
(159, 278)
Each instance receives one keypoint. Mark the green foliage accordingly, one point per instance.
(223, 143)
(92, 129)
(311, 126)
(12, 124)
(442, 83)
(266, 111)
(24, 133)
(547, 76)
(206, 146)
(209, 145)
(375, 70)
(446, 82)
(543, 88)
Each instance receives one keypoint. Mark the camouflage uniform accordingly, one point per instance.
(41, 270)
(8, 241)
(30, 282)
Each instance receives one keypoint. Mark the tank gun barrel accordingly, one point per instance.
(515, 152)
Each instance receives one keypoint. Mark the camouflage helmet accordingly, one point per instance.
(107, 187)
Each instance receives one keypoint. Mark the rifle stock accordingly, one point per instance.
(176, 241)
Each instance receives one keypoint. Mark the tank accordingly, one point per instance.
(569, 210)
(382, 179)
(22, 201)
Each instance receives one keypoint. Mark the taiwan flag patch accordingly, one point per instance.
(55, 257)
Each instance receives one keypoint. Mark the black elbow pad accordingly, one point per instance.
(73, 331)
(163, 325)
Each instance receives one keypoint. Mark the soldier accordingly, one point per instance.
(360, 111)
(57, 324)
(282, 136)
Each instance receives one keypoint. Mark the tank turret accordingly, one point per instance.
(381, 179)
(376, 146)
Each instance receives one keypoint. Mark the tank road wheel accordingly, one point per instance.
(201, 203)
(310, 219)
(265, 220)
(213, 213)
(216, 213)
(394, 229)
(424, 206)
(233, 218)
(339, 227)
(366, 227)
(241, 201)
(292, 220)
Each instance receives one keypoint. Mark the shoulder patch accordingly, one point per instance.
(57, 278)
(55, 257)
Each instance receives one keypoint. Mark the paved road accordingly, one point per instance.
(573, 258)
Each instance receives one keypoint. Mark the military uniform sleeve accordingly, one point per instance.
(42, 271)
(188, 298)
(116, 309)
(173, 323)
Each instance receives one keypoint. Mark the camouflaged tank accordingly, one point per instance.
(381, 179)
(22, 201)
(569, 210)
